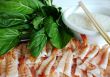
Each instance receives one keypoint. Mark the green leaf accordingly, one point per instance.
(21, 27)
(66, 33)
(37, 22)
(34, 4)
(9, 38)
(37, 42)
(15, 7)
(11, 19)
(53, 32)
(58, 34)
(65, 36)
(52, 11)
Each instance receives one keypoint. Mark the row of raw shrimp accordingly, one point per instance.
(77, 59)
(13, 63)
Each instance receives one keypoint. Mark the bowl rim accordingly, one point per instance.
(69, 24)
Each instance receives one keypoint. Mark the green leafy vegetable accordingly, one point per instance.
(65, 36)
(57, 34)
(37, 43)
(52, 11)
(9, 38)
(8, 19)
(21, 27)
(37, 22)
(53, 32)
(15, 7)
(34, 4)
(66, 33)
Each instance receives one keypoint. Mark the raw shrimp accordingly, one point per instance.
(93, 51)
(100, 56)
(48, 69)
(2, 66)
(45, 63)
(11, 64)
(61, 65)
(24, 70)
(84, 47)
(69, 63)
(81, 49)
(80, 73)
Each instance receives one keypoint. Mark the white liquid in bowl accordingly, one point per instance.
(82, 21)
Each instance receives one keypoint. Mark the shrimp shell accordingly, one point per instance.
(69, 63)
(48, 69)
(24, 70)
(61, 65)
(2, 66)
(11, 65)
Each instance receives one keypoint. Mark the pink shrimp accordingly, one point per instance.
(75, 44)
(81, 48)
(105, 56)
(43, 66)
(11, 65)
(84, 47)
(80, 45)
(93, 51)
(2, 66)
(96, 72)
(80, 73)
(48, 69)
(53, 72)
(24, 70)
(98, 58)
(37, 61)
(74, 67)
(69, 63)
(17, 51)
(41, 71)
(70, 45)
(61, 64)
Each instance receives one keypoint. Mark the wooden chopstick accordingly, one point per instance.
(97, 25)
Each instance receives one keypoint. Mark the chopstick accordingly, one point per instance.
(97, 25)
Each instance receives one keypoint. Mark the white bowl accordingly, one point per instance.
(93, 36)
